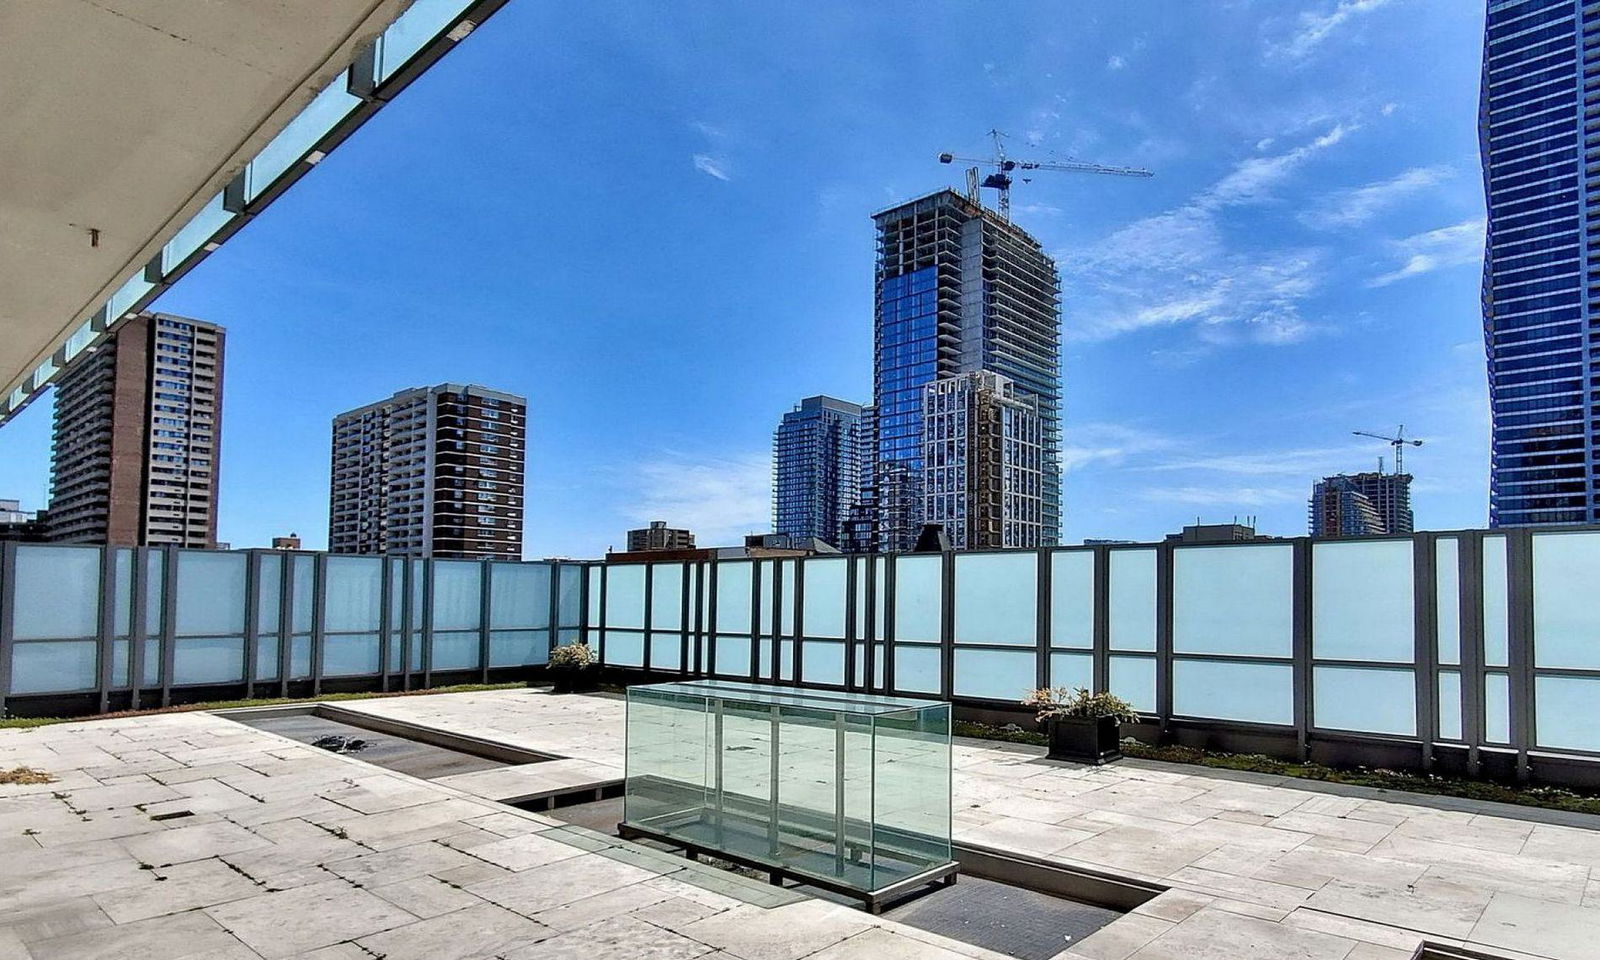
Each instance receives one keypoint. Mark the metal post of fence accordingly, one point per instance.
(886, 684)
(947, 625)
(685, 575)
(600, 628)
(649, 614)
(1301, 643)
(319, 623)
(252, 618)
(1424, 592)
(713, 623)
(138, 585)
(798, 621)
(1519, 609)
(8, 615)
(1470, 568)
(1164, 561)
(1102, 620)
(553, 607)
(1042, 629)
(105, 624)
(427, 622)
(169, 616)
(485, 611)
(755, 620)
(286, 621)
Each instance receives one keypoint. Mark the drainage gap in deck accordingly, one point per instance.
(401, 754)
(985, 908)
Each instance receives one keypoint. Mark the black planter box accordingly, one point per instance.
(1085, 739)
(575, 679)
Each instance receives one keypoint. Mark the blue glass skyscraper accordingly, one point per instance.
(959, 290)
(1539, 330)
(816, 468)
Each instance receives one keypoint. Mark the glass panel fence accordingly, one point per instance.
(1361, 601)
(1072, 599)
(1132, 600)
(1233, 600)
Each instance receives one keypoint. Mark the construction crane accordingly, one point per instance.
(1398, 441)
(1004, 166)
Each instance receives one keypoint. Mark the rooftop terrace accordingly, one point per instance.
(195, 836)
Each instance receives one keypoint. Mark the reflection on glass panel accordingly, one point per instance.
(519, 595)
(412, 30)
(122, 570)
(354, 594)
(299, 657)
(766, 574)
(121, 660)
(995, 674)
(1072, 599)
(305, 594)
(1251, 692)
(666, 651)
(880, 595)
(859, 671)
(916, 669)
(127, 295)
(208, 659)
(824, 601)
(457, 596)
(54, 667)
(1496, 621)
(624, 648)
(1449, 705)
(516, 648)
(1134, 680)
(733, 597)
(455, 650)
(396, 653)
(269, 594)
(1496, 708)
(666, 596)
(267, 658)
(1361, 601)
(155, 577)
(351, 655)
(917, 598)
(151, 674)
(57, 592)
(196, 233)
(625, 596)
(1447, 599)
(1365, 699)
(297, 138)
(1237, 600)
(1072, 670)
(733, 656)
(764, 658)
(596, 574)
(1567, 712)
(1566, 623)
(568, 600)
(1132, 600)
(210, 592)
(786, 660)
(821, 661)
(997, 598)
(787, 605)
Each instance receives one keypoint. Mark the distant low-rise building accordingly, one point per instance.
(21, 525)
(659, 536)
(1361, 504)
(1217, 533)
(291, 542)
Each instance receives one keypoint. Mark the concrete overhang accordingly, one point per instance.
(128, 121)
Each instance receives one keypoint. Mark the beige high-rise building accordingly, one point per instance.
(138, 430)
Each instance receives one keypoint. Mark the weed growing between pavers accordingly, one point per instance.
(1550, 798)
(25, 776)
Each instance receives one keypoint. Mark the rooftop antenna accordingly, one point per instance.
(1004, 166)
(1398, 441)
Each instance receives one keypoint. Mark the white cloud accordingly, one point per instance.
(1108, 444)
(1302, 462)
(1177, 267)
(1388, 109)
(720, 498)
(712, 166)
(1453, 246)
(1314, 28)
(1349, 208)
(1224, 496)
(1115, 62)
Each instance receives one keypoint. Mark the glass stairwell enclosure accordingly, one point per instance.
(849, 792)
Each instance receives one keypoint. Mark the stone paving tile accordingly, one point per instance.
(476, 933)
(783, 933)
(1119, 939)
(1551, 930)
(186, 935)
(1216, 935)
(174, 889)
(622, 938)
(62, 918)
(323, 914)
(1140, 850)
(426, 897)
(555, 884)
(1444, 909)
(514, 853)
(200, 842)
(881, 944)
(603, 906)
(400, 863)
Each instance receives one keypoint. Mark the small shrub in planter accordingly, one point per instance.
(572, 669)
(1083, 726)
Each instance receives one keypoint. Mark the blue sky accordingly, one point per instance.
(653, 221)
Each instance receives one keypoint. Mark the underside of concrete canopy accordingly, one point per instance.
(125, 119)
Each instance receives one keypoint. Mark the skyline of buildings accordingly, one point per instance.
(658, 536)
(1537, 148)
(136, 435)
(983, 462)
(430, 472)
(817, 453)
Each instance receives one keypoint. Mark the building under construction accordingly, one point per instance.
(1361, 504)
(960, 289)
(983, 460)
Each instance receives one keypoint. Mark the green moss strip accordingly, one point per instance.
(27, 722)
(1550, 798)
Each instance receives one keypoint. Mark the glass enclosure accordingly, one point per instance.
(850, 792)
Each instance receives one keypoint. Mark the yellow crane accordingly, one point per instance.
(1005, 166)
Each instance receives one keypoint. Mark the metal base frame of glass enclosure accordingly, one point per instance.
(846, 792)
